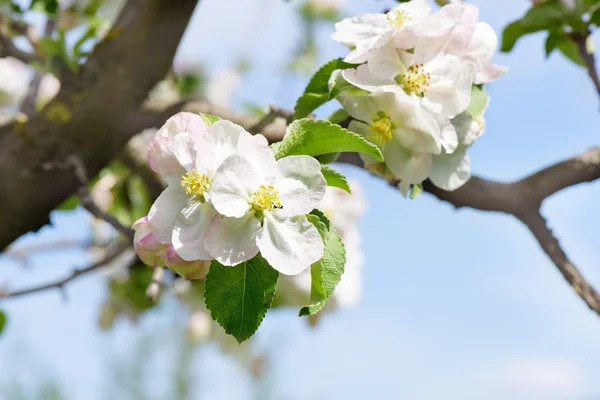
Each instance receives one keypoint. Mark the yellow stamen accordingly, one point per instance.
(397, 18)
(266, 198)
(414, 80)
(195, 184)
(382, 128)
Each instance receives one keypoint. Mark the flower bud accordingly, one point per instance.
(148, 249)
(187, 269)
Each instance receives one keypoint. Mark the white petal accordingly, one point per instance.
(302, 185)
(352, 31)
(451, 82)
(234, 182)
(290, 245)
(386, 63)
(233, 240)
(484, 42)
(451, 171)
(363, 78)
(406, 165)
(363, 130)
(256, 150)
(190, 231)
(164, 212)
(489, 72)
(220, 142)
(415, 129)
(183, 148)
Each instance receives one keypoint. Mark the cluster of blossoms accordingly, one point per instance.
(228, 199)
(416, 73)
(343, 210)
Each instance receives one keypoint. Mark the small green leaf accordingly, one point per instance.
(317, 91)
(275, 147)
(239, 297)
(478, 102)
(416, 190)
(335, 178)
(3, 320)
(328, 158)
(69, 204)
(209, 119)
(565, 45)
(550, 15)
(338, 116)
(316, 137)
(326, 273)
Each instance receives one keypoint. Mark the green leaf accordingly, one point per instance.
(3, 320)
(478, 102)
(326, 273)
(69, 204)
(239, 297)
(565, 45)
(328, 158)
(316, 137)
(595, 17)
(210, 119)
(317, 91)
(275, 147)
(338, 116)
(416, 190)
(550, 15)
(335, 178)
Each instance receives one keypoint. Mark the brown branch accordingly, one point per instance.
(8, 49)
(549, 243)
(60, 284)
(588, 58)
(270, 117)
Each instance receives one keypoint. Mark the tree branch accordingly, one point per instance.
(588, 58)
(113, 253)
(87, 116)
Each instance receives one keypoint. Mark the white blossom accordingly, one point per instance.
(264, 203)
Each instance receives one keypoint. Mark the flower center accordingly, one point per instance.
(266, 198)
(382, 128)
(397, 18)
(415, 80)
(195, 184)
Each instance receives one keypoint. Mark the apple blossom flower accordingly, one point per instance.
(187, 154)
(14, 81)
(264, 205)
(197, 269)
(406, 134)
(367, 32)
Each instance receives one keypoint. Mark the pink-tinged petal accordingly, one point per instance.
(151, 251)
(233, 240)
(164, 212)
(302, 185)
(162, 159)
(290, 245)
(220, 142)
(489, 72)
(182, 122)
(191, 227)
(235, 181)
(187, 269)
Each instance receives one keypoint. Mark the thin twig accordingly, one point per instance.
(59, 284)
(588, 58)
(274, 113)
(8, 49)
(24, 252)
(85, 197)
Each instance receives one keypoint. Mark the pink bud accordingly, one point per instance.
(150, 251)
(187, 269)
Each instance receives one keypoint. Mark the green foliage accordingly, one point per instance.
(338, 116)
(327, 272)
(335, 178)
(210, 119)
(239, 297)
(316, 137)
(317, 92)
(565, 45)
(3, 320)
(478, 101)
(49, 7)
(551, 16)
(416, 190)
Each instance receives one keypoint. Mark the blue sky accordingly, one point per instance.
(456, 305)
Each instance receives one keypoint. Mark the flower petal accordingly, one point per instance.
(187, 269)
(302, 185)
(183, 148)
(290, 245)
(150, 251)
(182, 122)
(234, 182)
(233, 240)
(190, 231)
(256, 149)
(451, 171)
(220, 142)
(162, 159)
(164, 212)
(409, 166)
